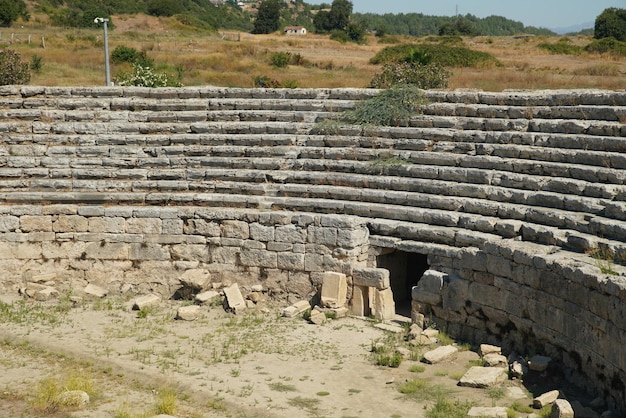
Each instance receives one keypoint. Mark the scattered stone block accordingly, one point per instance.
(545, 399)
(146, 301)
(383, 306)
(483, 377)
(515, 392)
(371, 277)
(405, 353)
(96, 291)
(422, 340)
(428, 289)
(42, 278)
(73, 398)
(431, 333)
(206, 297)
(518, 367)
(562, 409)
(234, 299)
(360, 304)
(317, 317)
(188, 313)
(486, 412)
(539, 363)
(195, 279)
(495, 360)
(256, 288)
(414, 331)
(485, 349)
(296, 309)
(334, 289)
(340, 312)
(250, 304)
(440, 354)
(45, 294)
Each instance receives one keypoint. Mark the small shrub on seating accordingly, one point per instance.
(145, 77)
(12, 69)
(392, 107)
(429, 76)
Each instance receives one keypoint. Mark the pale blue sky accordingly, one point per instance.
(540, 13)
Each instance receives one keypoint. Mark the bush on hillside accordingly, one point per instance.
(12, 69)
(611, 23)
(423, 76)
(444, 55)
(123, 53)
(607, 46)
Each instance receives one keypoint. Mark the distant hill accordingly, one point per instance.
(574, 28)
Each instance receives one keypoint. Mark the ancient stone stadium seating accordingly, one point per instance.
(500, 216)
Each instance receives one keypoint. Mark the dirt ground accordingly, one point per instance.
(253, 364)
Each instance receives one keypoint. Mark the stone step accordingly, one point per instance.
(580, 112)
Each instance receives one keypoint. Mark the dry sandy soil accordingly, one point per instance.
(253, 364)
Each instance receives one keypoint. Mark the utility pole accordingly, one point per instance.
(106, 48)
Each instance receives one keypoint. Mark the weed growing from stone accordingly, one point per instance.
(392, 107)
(445, 408)
(604, 259)
(420, 390)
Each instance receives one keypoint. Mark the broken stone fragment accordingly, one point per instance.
(95, 291)
(486, 412)
(47, 293)
(383, 306)
(207, 297)
(414, 331)
(495, 360)
(234, 299)
(296, 309)
(440, 354)
(562, 409)
(545, 399)
(195, 279)
(188, 313)
(146, 301)
(485, 349)
(317, 317)
(483, 377)
(518, 367)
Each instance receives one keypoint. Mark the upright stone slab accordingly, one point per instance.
(334, 289)
(234, 299)
(360, 303)
(383, 306)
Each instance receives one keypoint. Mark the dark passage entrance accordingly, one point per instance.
(405, 269)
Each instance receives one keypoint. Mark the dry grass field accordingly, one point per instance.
(75, 57)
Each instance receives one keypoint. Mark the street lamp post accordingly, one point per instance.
(106, 48)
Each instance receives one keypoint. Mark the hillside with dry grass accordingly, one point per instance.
(75, 57)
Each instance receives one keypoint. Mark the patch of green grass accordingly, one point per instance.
(281, 387)
(445, 408)
(519, 407)
(167, 402)
(308, 404)
(421, 389)
(417, 368)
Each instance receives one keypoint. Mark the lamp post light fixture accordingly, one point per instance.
(106, 48)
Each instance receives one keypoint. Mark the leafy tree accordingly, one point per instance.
(12, 69)
(611, 23)
(461, 27)
(337, 18)
(268, 17)
(356, 32)
(10, 10)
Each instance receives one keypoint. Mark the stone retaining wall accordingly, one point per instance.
(144, 249)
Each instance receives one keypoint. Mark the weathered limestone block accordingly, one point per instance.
(318, 317)
(114, 225)
(195, 279)
(143, 251)
(495, 360)
(440, 354)
(485, 349)
(483, 377)
(428, 289)
(296, 309)
(70, 223)
(261, 233)
(235, 229)
(258, 258)
(9, 223)
(290, 234)
(207, 297)
(290, 261)
(107, 251)
(487, 412)
(382, 304)
(322, 235)
(30, 223)
(334, 289)
(47, 293)
(371, 277)
(234, 299)
(96, 291)
(146, 301)
(188, 313)
(73, 398)
(545, 399)
(562, 409)
(360, 304)
(172, 226)
(202, 227)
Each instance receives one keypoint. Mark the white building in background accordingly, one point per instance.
(295, 30)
